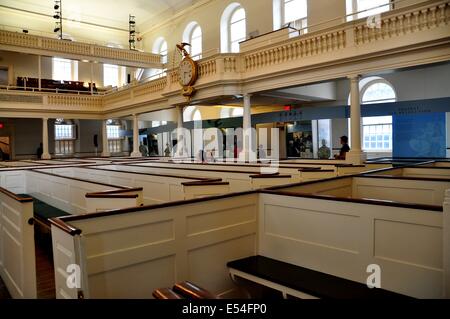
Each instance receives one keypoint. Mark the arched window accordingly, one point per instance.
(294, 12)
(163, 51)
(193, 35)
(366, 8)
(191, 113)
(160, 47)
(233, 28)
(377, 130)
(197, 116)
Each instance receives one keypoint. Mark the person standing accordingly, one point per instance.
(344, 149)
(39, 151)
(324, 151)
(167, 150)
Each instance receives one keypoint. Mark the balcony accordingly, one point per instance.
(33, 44)
(414, 35)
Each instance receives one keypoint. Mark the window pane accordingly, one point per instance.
(62, 69)
(163, 51)
(113, 131)
(110, 75)
(196, 42)
(239, 14)
(382, 92)
(368, 4)
(237, 29)
(295, 10)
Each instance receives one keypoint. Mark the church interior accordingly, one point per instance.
(222, 149)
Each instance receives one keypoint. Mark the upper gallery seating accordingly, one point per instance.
(52, 85)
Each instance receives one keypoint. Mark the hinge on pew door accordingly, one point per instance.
(80, 294)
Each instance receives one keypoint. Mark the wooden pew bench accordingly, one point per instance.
(302, 282)
(183, 290)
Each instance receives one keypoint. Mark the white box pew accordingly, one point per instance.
(17, 164)
(232, 167)
(200, 189)
(437, 164)
(13, 180)
(157, 188)
(343, 237)
(108, 200)
(240, 181)
(17, 255)
(297, 171)
(378, 187)
(401, 189)
(416, 172)
(65, 193)
(130, 253)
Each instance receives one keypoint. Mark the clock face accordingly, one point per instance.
(187, 72)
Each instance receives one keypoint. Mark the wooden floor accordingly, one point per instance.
(45, 275)
(4, 294)
(44, 271)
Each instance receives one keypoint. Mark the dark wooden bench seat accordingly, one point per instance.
(166, 294)
(183, 290)
(303, 282)
(191, 291)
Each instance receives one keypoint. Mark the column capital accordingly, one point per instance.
(247, 95)
(354, 77)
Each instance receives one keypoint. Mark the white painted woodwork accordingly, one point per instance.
(342, 239)
(130, 255)
(17, 255)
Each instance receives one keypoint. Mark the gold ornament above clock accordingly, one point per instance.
(188, 72)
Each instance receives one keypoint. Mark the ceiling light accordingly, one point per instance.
(56, 16)
(56, 7)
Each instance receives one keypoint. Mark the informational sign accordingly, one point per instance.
(419, 135)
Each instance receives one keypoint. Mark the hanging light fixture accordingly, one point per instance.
(58, 17)
(132, 32)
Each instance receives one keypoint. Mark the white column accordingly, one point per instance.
(92, 77)
(179, 116)
(45, 153)
(356, 155)
(39, 72)
(105, 148)
(136, 152)
(248, 154)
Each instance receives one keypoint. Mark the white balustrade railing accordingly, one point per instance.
(329, 43)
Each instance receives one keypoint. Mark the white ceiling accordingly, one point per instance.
(112, 13)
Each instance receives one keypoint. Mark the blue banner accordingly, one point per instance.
(419, 135)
